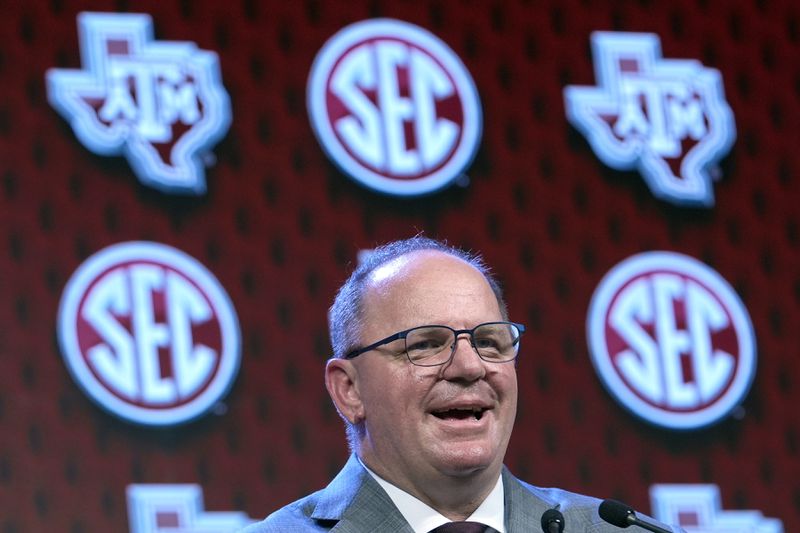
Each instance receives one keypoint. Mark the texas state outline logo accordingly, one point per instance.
(161, 104)
(666, 118)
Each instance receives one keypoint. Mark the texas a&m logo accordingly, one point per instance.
(149, 333)
(668, 118)
(177, 508)
(394, 107)
(698, 509)
(159, 103)
(671, 340)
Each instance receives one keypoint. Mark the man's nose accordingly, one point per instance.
(465, 363)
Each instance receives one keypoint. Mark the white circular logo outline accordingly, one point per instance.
(688, 266)
(230, 357)
(316, 92)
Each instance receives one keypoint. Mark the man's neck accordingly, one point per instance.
(454, 496)
(423, 518)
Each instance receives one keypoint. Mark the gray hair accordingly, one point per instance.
(345, 317)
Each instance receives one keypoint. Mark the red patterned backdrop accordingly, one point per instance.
(280, 227)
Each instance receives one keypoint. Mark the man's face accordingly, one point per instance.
(454, 419)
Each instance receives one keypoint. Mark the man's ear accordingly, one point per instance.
(341, 380)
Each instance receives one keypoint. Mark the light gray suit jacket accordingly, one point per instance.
(354, 503)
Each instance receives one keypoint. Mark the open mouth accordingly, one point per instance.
(475, 413)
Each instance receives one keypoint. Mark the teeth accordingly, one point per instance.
(475, 412)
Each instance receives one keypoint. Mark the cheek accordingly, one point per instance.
(405, 393)
(513, 386)
(504, 381)
(506, 387)
(396, 390)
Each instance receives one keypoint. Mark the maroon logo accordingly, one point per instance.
(394, 107)
(671, 340)
(161, 104)
(149, 333)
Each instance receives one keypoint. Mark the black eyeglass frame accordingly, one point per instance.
(456, 333)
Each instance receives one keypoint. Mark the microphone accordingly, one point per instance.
(620, 515)
(552, 521)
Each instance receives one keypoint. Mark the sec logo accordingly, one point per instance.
(149, 334)
(394, 107)
(671, 340)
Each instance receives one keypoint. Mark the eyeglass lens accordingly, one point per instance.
(432, 345)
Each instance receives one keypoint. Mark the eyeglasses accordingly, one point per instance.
(496, 342)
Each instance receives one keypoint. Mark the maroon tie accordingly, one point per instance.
(460, 527)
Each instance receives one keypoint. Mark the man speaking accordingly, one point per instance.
(424, 376)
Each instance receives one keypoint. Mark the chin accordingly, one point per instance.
(465, 460)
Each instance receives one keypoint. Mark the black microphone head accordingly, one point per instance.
(552, 516)
(616, 513)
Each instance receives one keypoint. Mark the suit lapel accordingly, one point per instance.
(357, 504)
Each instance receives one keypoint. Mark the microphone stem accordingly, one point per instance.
(636, 521)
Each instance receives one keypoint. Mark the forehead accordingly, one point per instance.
(428, 286)
(423, 268)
